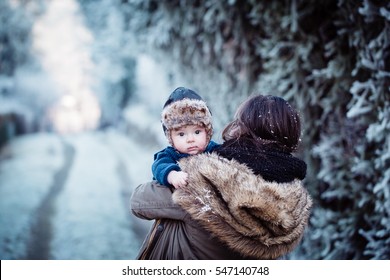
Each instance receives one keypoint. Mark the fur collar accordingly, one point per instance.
(259, 219)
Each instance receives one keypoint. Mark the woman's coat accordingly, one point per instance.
(259, 219)
(225, 212)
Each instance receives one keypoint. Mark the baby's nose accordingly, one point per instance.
(190, 138)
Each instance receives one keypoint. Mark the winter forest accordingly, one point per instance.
(83, 82)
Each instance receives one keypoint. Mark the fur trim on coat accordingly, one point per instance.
(258, 219)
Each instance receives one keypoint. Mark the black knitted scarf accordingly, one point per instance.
(271, 163)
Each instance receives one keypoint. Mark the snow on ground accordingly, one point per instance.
(27, 166)
(87, 179)
(90, 208)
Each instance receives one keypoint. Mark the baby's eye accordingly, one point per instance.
(198, 131)
(181, 134)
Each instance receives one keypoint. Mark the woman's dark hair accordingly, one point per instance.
(266, 120)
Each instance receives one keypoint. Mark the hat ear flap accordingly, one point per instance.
(164, 128)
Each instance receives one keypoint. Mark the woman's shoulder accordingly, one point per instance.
(243, 207)
(213, 165)
(228, 172)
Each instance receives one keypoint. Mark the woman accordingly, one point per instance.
(246, 200)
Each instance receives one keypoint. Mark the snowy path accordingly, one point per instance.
(67, 198)
(41, 225)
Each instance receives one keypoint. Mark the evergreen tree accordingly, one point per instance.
(331, 60)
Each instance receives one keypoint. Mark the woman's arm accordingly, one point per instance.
(151, 201)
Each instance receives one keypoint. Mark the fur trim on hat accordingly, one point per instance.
(186, 112)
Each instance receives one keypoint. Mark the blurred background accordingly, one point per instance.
(82, 84)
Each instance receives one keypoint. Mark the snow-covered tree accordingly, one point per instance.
(331, 60)
(113, 56)
(15, 44)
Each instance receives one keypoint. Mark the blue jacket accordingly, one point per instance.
(166, 160)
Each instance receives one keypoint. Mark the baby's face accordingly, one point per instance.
(190, 139)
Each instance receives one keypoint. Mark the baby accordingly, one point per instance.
(186, 121)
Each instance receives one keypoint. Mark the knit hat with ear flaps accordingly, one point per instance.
(185, 107)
